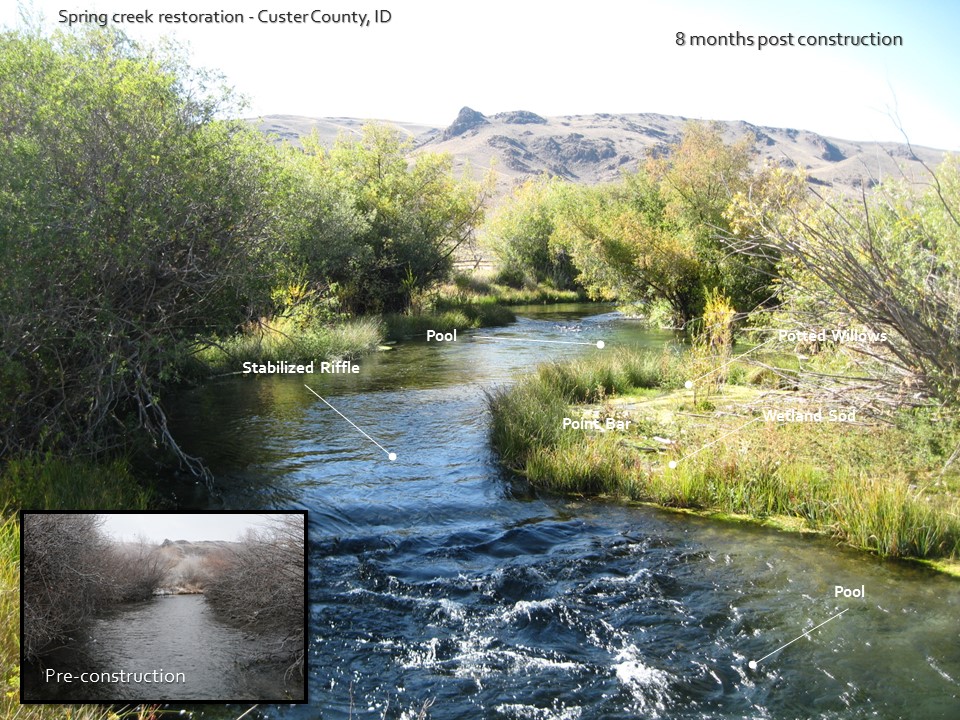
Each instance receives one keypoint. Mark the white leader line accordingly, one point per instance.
(754, 663)
(598, 344)
(390, 455)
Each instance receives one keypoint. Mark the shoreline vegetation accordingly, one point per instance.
(470, 301)
(887, 487)
(170, 245)
(193, 244)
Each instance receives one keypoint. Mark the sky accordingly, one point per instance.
(157, 527)
(603, 56)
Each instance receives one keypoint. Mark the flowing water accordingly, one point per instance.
(171, 648)
(437, 580)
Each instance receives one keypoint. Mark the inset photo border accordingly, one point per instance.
(158, 607)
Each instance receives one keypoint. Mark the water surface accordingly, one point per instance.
(439, 580)
(172, 648)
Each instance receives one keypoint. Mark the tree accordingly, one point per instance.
(625, 245)
(381, 226)
(657, 234)
(131, 222)
(699, 177)
(521, 234)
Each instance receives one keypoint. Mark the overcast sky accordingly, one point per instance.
(183, 526)
(598, 56)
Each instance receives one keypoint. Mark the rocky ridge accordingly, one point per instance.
(598, 148)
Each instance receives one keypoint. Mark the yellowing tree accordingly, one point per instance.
(889, 263)
(658, 233)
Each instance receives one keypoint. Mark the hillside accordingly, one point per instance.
(597, 148)
(187, 563)
(292, 127)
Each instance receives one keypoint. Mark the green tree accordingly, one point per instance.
(521, 234)
(379, 225)
(131, 221)
(625, 245)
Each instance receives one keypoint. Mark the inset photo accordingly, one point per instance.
(144, 607)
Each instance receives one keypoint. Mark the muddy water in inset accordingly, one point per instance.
(172, 648)
(439, 579)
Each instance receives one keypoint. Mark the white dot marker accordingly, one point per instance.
(688, 384)
(600, 344)
(392, 456)
(672, 464)
(752, 664)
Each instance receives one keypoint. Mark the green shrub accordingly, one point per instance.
(521, 236)
(132, 220)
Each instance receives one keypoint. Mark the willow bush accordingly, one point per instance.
(132, 221)
(888, 262)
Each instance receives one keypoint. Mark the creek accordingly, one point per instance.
(172, 647)
(437, 579)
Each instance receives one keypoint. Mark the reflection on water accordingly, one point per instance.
(438, 579)
(170, 648)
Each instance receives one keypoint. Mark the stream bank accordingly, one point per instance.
(440, 578)
(628, 425)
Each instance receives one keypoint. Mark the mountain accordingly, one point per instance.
(185, 548)
(292, 127)
(597, 148)
(189, 564)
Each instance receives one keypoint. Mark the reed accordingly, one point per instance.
(53, 483)
(476, 290)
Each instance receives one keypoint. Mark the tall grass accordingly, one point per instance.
(622, 371)
(839, 480)
(528, 415)
(476, 289)
(287, 339)
(53, 483)
(9, 615)
(525, 418)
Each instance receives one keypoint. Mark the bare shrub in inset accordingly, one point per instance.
(260, 586)
(65, 580)
(190, 574)
(137, 571)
